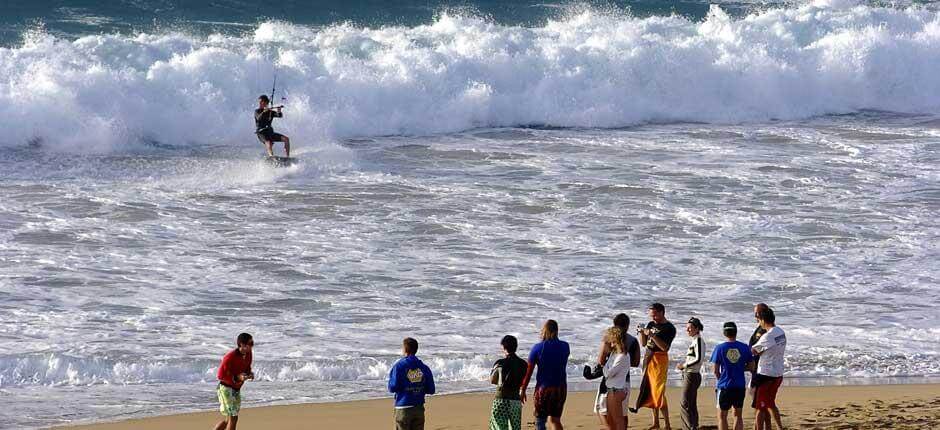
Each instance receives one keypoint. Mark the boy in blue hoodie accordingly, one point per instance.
(410, 380)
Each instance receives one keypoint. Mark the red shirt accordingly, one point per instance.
(233, 364)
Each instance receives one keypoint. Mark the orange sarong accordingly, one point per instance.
(653, 388)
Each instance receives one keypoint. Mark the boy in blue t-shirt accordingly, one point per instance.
(731, 359)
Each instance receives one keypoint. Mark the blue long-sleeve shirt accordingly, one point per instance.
(410, 380)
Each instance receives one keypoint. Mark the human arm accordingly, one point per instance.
(393, 384)
(494, 374)
(530, 368)
(634, 353)
(661, 344)
(716, 365)
(603, 353)
(618, 368)
(764, 343)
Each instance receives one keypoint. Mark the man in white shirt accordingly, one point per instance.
(771, 348)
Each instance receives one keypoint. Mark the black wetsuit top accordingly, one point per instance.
(263, 119)
(667, 332)
(512, 370)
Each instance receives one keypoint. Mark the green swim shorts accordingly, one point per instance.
(230, 401)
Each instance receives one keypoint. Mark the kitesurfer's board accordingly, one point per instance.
(276, 161)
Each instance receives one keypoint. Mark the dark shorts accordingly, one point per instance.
(270, 136)
(410, 418)
(765, 395)
(550, 401)
(731, 398)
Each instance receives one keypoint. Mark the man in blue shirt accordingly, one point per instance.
(731, 359)
(410, 380)
(551, 382)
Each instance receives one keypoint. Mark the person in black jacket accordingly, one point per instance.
(264, 116)
(507, 375)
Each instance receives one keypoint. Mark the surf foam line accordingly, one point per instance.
(59, 369)
(591, 69)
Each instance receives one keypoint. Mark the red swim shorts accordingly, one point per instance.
(766, 394)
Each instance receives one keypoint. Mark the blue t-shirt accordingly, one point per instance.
(733, 358)
(551, 360)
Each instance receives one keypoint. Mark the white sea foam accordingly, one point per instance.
(591, 69)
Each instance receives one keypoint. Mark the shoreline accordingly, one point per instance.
(863, 406)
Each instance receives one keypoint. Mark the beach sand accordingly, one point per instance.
(915, 406)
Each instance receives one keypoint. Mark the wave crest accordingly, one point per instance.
(592, 69)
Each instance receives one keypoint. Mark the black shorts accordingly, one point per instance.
(269, 136)
(731, 398)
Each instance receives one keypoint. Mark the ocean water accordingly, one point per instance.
(467, 170)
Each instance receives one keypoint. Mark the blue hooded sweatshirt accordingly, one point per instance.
(410, 380)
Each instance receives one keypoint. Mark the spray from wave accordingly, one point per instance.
(593, 69)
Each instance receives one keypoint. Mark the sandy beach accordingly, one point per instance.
(833, 407)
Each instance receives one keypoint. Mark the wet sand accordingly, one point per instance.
(915, 406)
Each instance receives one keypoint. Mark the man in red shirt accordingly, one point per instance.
(234, 370)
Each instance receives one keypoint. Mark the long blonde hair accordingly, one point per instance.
(550, 330)
(614, 337)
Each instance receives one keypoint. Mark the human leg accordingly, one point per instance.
(775, 412)
(615, 410)
(540, 423)
(722, 419)
(515, 415)
(501, 416)
(655, 419)
(689, 406)
(230, 403)
(738, 419)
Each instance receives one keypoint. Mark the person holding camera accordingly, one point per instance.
(234, 370)
(657, 336)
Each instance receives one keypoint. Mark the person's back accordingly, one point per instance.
(731, 360)
(510, 372)
(551, 359)
(772, 347)
(733, 357)
(410, 380)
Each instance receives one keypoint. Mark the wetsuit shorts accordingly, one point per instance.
(269, 135)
